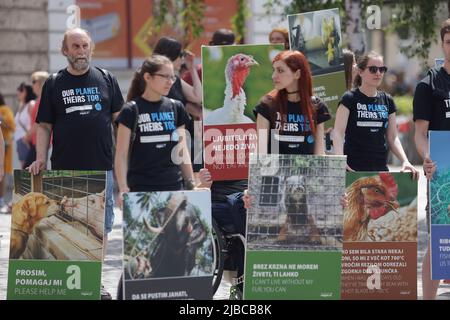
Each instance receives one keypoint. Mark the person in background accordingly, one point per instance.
(221, 37)
(226, 196)
(350, 68)
(279, 35)
(27, 101)
(7, 127)
(181, 90)
(37, 80)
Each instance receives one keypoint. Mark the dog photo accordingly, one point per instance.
(58, 215)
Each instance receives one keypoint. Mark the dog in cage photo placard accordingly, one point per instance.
(167, 245)
(57, 229)
(380, 236)
(294, 227)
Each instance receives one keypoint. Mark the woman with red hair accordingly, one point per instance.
(290, 113)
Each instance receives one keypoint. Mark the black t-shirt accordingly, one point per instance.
(365, 136)
(432, 99)
(221, 189)
(176, 91)
(80, 109)
(151, 167)
(295, 137)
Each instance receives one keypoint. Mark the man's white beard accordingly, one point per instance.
(79, 64)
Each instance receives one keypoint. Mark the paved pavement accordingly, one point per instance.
(112, 266)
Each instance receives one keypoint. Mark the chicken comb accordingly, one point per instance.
(390, 183)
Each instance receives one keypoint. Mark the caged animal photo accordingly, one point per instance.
(235, 78)
(26, 214)
(299, 226)
(166, 234)
(62, 218)
(381, 207)
(298, 207)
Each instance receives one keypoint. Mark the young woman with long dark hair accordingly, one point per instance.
(160, 129)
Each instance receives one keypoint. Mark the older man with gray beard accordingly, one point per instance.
(78, 105)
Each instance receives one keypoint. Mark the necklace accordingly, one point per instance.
(291, 92)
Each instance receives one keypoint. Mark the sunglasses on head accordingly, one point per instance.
(374, 69)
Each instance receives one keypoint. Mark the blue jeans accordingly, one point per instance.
(109, 202)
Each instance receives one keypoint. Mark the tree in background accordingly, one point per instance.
(410, 18)
(238, 20)
(185, 14)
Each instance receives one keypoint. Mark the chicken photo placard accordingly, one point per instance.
(57, 230)
(235, 78)
(380, 237)
(294, 227)
(317, 35)
(439, 202)
(167, 246)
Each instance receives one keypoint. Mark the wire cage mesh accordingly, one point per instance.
(296, 202)
(85, 189)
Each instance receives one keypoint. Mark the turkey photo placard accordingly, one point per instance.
(57, 230)
(380, 237)
(294, 227)
(439, 202)
(235, 78)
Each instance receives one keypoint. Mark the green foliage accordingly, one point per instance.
(187, 13)
(192, 18)
(160, 14)
(412, 17)
(301, 6)
(404, 104)
(238, 20)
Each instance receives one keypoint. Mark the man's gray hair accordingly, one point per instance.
(72, 31)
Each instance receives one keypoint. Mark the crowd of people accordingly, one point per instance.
(50, 115)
